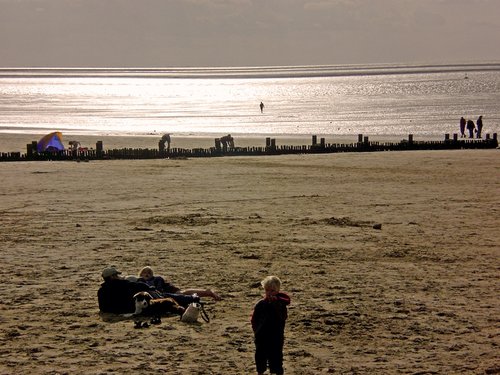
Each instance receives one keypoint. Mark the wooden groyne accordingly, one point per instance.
(271, 148)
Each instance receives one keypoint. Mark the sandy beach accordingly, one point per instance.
(417, 296)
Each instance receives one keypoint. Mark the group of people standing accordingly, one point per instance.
(471, 127)
(227, 141)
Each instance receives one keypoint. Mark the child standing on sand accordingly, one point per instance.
(268, 324)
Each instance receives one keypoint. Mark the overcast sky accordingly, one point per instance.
(166, 33)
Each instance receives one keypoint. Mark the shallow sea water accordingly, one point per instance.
(381, 101)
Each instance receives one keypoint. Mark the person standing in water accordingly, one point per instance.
(261, 107)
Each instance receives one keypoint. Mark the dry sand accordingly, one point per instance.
(418, 296)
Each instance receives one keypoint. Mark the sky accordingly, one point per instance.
(220, 33)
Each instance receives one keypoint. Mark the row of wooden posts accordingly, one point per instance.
(223, 149)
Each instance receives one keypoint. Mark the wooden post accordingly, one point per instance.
(161, 147)
(360, 138)
(455, 137)
(29, 150)
(273, 143)
(268, 142)
(366, 141)
(410, 139)
(322, 142)
(98, 149)
(314, 140)
(34, 146)
(446, 137)
(217, 144)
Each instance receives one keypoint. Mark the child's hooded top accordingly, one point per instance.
(269, 317)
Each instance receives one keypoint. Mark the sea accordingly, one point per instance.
(384, 100)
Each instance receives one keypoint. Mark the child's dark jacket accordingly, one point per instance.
(269, 317)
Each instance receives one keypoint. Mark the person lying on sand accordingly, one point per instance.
(116, 294)
(146, 275)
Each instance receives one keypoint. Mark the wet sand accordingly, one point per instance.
(16, 142)
(418, 296)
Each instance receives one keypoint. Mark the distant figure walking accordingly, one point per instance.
(261, 107)
(462, 127)
(471, 127)
(479, 124)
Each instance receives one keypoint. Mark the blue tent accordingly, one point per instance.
(50, 142)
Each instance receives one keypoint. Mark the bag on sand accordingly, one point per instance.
(193, 311)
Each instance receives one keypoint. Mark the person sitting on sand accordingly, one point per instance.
(146, 275)
(116, 293)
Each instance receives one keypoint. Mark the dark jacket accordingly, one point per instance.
(116, 295)
(269, 317)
